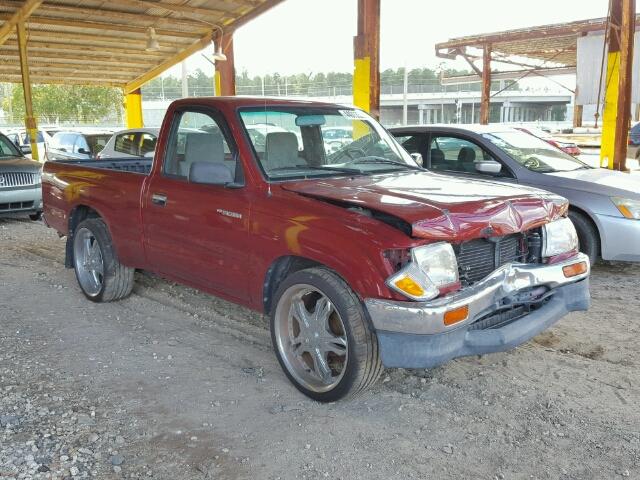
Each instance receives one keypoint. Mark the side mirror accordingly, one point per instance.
(488, 166)
(210, 173)
(417, 157)
(84, 151)
(149, 154)
(25, 149)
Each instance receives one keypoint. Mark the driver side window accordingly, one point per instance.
(455, 154)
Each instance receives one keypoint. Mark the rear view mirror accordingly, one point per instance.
(310, 120)
(417, 157)
(488, 166)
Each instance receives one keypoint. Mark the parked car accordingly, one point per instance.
(20, 191)
(77, 145)
(605, 205)
(20, 138)
(360, 257)
(634, 142)
(567, 147)
(131, 143)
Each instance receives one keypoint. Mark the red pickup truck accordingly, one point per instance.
(360, 257)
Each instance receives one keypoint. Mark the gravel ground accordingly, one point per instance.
(175, 384)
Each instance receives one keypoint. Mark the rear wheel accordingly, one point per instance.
(321, 337)
(588, 237)
(100, 275)
(35, 216)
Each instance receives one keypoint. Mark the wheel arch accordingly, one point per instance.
(585, 214)
(77, 214)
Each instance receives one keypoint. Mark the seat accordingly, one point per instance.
(201, 147)
(437, 158)
(281, 151)
(466, 159)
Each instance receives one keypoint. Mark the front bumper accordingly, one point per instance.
(21, 200)
(413, 334)
(620, 238)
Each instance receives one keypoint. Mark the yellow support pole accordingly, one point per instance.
(133, 107)
(366, 49)
(610, 110)
(29, 119)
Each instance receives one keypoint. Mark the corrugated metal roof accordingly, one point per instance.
(102, 42)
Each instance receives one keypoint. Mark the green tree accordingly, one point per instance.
(66, 103)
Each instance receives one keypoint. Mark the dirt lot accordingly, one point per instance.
(175, 384)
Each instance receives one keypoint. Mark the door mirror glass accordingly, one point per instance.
(83, 151)
(490, 167)
(211, 173)
(26, 149)
(417, 157)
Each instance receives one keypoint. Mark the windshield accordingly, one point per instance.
(533, 153)
(305, 142)
(7, 148)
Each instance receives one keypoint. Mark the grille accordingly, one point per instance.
(16, 206)
(478, 258)
(17, 179)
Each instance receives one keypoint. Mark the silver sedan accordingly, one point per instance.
(604, 205)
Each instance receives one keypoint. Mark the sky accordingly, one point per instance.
(313, 36)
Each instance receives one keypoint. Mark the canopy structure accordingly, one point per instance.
(103, 42)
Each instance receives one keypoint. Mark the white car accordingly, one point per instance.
(21, 139)
(131, 143)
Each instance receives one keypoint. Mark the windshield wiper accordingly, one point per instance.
(326, 168)
(376, 159)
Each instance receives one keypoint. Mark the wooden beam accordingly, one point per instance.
(170, 62)
(19, 16)
(486, 85)
(47, 10)
(56, 80)
(247, 17)
(623, 117)
(29, 120)
(207, 12)
(126, 73)
(225, 75)
(37, 57)
(89, 50)
(107, 26)
(366, 48)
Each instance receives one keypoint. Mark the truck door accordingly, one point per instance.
(197, 230)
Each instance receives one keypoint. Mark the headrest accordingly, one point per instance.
(204, 146)
(281, 149)
(437, 155)
(466, 154)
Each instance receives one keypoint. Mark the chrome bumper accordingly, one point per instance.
(501, 287)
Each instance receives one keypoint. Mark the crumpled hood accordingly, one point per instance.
(601, 180)
(442, 207)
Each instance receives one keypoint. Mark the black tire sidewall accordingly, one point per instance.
(341, 298)
(587, 236)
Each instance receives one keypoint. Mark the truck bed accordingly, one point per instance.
(136, 165)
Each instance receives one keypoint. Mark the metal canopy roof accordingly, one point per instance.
(102, 42)
(556, 44)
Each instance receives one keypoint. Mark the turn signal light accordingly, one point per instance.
(408, 285)
(575, 269)
(457, 315)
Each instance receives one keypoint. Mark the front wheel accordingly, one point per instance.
(100, 275)
(321, 336)
(588, 238)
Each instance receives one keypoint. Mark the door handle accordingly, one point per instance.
(159, 199)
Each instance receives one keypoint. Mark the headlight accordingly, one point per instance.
(559, 237)
(629, 208)
(431, 267)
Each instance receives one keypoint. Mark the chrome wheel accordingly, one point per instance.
(88, 262)
(311, 338)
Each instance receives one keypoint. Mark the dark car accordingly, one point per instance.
(20, 191)
(74, 145)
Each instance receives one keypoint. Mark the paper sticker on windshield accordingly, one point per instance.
(354, 114)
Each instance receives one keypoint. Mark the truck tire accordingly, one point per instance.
(102, 278)
(321, 336)
(588, 238)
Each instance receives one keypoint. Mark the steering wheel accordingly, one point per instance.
(532, 163)
(349, 150)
